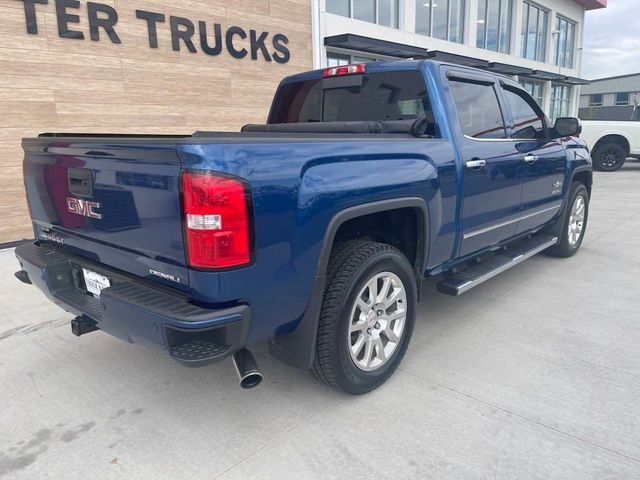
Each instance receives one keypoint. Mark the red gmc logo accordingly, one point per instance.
(84, 208)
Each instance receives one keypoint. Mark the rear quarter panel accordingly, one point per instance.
(297, 188)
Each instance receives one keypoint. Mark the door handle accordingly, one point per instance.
(530, 158)
(476, 164)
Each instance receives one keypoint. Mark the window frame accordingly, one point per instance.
(625, 104)
(463, 18)
(477, 79)
(522, 93)
(509, 23)
(593, 103)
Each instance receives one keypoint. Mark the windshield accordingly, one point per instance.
(369, 97)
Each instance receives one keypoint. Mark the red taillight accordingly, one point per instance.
(344, 70)
(216, 220)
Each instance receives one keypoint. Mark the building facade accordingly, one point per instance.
(158, 66)
(128, 66)
(539, 42)
(612, 98)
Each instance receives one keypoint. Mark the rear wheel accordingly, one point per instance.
(609, 157)
(367, 316)
(572, 225)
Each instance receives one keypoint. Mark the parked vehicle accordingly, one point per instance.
(313, 231)
(612, 142)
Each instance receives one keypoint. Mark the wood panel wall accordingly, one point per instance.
(48, 83)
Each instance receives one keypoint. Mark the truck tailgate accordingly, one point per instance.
(115, 200)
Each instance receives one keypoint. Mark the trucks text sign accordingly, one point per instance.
(209, 38)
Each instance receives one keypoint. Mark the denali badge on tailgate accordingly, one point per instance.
(85, 208)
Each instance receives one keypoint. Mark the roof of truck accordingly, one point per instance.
(389, 66)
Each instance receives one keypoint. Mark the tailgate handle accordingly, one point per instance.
(81, 182)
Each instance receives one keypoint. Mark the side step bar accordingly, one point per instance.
(481, 272)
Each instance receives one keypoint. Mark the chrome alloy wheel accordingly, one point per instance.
(576, 220)
(377, 321)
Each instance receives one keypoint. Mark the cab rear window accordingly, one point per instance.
(368, 97)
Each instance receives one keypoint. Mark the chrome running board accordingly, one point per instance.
(481, 272)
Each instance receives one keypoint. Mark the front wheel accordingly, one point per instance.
(572, 224)
(367, 316)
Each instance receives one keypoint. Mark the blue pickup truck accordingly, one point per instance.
(311, 232)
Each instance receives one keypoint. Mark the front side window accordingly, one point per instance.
(382, 12)
(595, 100)
(533, 39)
(442, 19)
(622, 99)
(560, 101)
(478, 110)
(565, 42)
(370, 97)
(535, 89)
(528, 122)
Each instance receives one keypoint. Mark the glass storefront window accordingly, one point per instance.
(565, 42)
(388, 13)
(382, 12)
(536, 90)
(442, 19)
(337, 59)
(364, 10)
(533, 39)
(339, 7)
(560, 101)
(494, 25)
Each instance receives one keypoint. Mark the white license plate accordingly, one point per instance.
(95, 282)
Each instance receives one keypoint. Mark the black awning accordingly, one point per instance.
(360, 43)
(576, 81)
(447, 57)
(542, 75)
(352, 41)
(506, 69)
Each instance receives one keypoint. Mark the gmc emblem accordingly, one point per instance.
(85, 208)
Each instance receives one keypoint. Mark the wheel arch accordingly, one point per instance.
(615, 138)
(343, 217)
(585, 176)
(297, 348)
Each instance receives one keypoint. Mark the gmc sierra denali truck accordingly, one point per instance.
(313, 231)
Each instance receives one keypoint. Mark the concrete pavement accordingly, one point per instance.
(535, 374)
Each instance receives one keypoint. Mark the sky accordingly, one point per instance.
(612, 40)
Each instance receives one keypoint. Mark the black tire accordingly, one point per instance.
(351, 266)
(564, 248)
(609, 156)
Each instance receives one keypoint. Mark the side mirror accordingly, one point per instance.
(568, 127)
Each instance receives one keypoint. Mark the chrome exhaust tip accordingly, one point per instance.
(247, 369)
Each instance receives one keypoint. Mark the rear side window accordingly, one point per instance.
(528, 121)
(478, 110)
(368, 97)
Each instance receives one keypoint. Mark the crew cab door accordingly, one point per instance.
(491, 187)
(542, 169)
